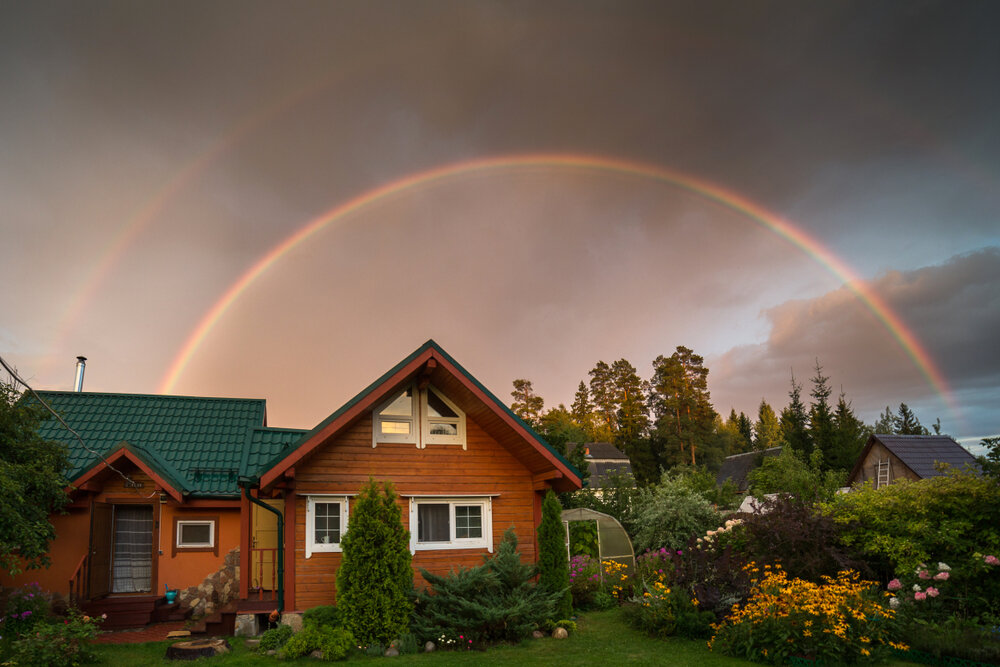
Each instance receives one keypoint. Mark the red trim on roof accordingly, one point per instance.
(124, 453)
(366, 404)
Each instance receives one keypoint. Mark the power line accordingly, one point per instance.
(55, 414)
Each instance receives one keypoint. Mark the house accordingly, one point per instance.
(737, 468)
(887, 458)
(201, 495)
(603, 459)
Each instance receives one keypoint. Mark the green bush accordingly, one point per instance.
(57, 644)
(947, 518)
(603, 600)
(789, 472)
(584, 579)
(335, 643)
(375, 578)
(496, 601)
(26, 607)
(275, 638)
(670, 513)
(325, 616)
(583, 538)
(652, 610)
(553, 563)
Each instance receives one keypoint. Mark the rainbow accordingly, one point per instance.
(700, 187)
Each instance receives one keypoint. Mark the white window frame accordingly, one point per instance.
(484, 542)
(196, 522)
(420, 421)
(312, 546)
(413, 419)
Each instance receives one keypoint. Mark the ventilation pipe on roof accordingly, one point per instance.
(81, 365)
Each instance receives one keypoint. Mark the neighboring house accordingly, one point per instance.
(887, 458)
(465, 468)
(737, 468)
(603, 459)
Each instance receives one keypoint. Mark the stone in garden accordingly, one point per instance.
(199, 648)
(294, 621)
(246, 625)
(537, 634)
(252, 644)
(271, 652)
(174, 634)
(391, 652)
(316, 654)
(429, 647)
(560, 633)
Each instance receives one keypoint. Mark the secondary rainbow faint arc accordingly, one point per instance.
(706, 189)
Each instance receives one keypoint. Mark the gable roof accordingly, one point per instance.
(599, 451)
(738, 466)
(196, 444)
(920, 453)
(460, 386)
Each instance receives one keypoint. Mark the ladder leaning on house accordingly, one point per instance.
(882, 474)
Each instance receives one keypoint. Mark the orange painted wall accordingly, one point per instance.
(345, 465)
(73, 538)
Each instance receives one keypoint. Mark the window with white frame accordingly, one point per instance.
(195, 534)
(326, 523)
(420, 416)
(451, 523)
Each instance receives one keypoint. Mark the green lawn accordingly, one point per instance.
(603, 640)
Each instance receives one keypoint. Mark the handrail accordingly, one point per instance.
(281, 544)
(75, 591)
(257, 563)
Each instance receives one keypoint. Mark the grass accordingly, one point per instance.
(602, 638)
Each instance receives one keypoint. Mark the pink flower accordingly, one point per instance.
(895, 585)
(992, 560)
(942, 576)
(931, 591)
(920, 595)
(924, 574)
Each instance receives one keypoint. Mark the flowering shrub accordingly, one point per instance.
(26, 607)
(584, 579)
(655, 565)
(841, 620)
(58, 644)
(653, 610)
(616, 579)
(712, 574)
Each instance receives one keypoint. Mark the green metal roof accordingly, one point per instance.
(197, 443)
(264, 445)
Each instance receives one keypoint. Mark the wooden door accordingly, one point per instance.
(264, 543)
(101, 530)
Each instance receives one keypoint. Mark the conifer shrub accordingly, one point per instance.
(375, 579)
(553, 562)
(493, 602)
(324, 616)
(275, 638)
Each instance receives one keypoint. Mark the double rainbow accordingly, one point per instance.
(892, 322)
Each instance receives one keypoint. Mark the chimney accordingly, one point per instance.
(81, 365)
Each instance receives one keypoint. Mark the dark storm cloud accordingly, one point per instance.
(954, 308)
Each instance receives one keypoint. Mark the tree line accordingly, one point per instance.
(668, 419)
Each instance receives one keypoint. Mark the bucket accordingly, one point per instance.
(170, 594)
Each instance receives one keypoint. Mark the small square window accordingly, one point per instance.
(326, 523)
(195, 534)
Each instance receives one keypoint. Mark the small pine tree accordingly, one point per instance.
(553, 562)
(375, 578)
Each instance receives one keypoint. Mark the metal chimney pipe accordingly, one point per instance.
(81, 365)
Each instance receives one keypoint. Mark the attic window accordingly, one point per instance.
(431, 420)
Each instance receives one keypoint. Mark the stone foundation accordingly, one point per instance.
(217, 590)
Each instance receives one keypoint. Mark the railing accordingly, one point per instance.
(257, 568)
(78, 581)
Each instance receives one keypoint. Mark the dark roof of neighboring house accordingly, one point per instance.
(599, 451)
(920, 453)
(600, 470)
(738, 466)
(198, 445)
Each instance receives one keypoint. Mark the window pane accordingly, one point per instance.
(444, 428)
(432, 522)
(437, 407)
(401, 406)
(468, 522)
(395, 428)
(327, 528)
(195, 533)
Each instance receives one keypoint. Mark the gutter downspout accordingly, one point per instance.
(281, 545)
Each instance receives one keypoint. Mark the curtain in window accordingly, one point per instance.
(432, 522)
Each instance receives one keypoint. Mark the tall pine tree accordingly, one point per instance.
(685, 417)
(821, 428)
(527, 404)
(767, 429)
(794, 422)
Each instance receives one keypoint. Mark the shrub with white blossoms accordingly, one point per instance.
(720, 531)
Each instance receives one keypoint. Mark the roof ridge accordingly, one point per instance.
(61, 392)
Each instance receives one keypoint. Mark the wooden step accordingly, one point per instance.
(134, 611)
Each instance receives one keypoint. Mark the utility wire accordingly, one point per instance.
(55, 414)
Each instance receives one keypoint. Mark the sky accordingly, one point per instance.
(282, 200)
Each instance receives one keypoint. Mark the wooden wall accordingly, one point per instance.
(345, 464)
(868, 472)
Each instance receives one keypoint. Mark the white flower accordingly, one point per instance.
(916, 588)
(894, 602)
(944, 567)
